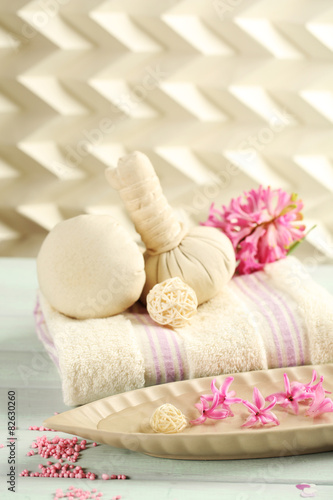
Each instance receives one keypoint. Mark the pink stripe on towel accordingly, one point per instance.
(162, 336)
(43, 334)
(153, 348)
(179, 356)
(254, 298)
(273, 304)
(291, 316)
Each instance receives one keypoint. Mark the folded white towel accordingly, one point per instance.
(272, 318)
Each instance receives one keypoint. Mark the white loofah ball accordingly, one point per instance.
(89, 267)
(172, 302)
(168, 419)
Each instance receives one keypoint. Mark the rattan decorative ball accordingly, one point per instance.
(168, 419)
(172, 302)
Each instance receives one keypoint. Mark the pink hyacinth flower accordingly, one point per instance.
(320, 404)
(310, 388)
(262, 226)
(225, 398)
(292, 395)
(260, 414)
(208, 411)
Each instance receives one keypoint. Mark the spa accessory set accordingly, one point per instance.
(223, 300)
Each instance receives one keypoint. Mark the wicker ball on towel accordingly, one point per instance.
(172, 302)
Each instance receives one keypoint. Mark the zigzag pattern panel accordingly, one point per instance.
(222, 96)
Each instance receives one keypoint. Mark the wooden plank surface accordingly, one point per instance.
(26, 368)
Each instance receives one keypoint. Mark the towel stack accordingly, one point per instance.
(272, 318)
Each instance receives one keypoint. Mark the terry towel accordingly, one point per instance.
(272, 318)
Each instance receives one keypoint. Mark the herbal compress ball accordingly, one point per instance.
(203, 257)
(89, 267)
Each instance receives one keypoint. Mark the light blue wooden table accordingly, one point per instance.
(27, 369)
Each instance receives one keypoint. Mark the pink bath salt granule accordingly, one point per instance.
(73, 492)
(59, 448)
(61, 471)
(62, 449)
(40, 428)
(2, 445)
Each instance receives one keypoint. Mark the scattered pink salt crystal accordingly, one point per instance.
(78, 493)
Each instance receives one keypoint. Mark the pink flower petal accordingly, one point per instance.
(261, 414)
(273, 403)
(320, 404)
(308, 492)
(258, 399)
(218, 414)
(251, 421)
(250, 406)
(226, 384)
(302, 486)
(286, 383)
(199, 420)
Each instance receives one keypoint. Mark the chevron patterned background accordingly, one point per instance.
(221, 94)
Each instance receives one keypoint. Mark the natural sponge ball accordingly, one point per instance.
(89, 267)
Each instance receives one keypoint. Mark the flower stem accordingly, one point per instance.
(296, 243)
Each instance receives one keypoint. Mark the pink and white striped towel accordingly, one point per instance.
(272, 318)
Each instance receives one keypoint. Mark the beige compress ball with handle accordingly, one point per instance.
(89, 267)
(203, 257)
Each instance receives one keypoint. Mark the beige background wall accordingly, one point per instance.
(222, 95)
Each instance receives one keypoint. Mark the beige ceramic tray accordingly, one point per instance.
(123, 420)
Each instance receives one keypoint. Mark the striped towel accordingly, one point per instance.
(272, 318)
